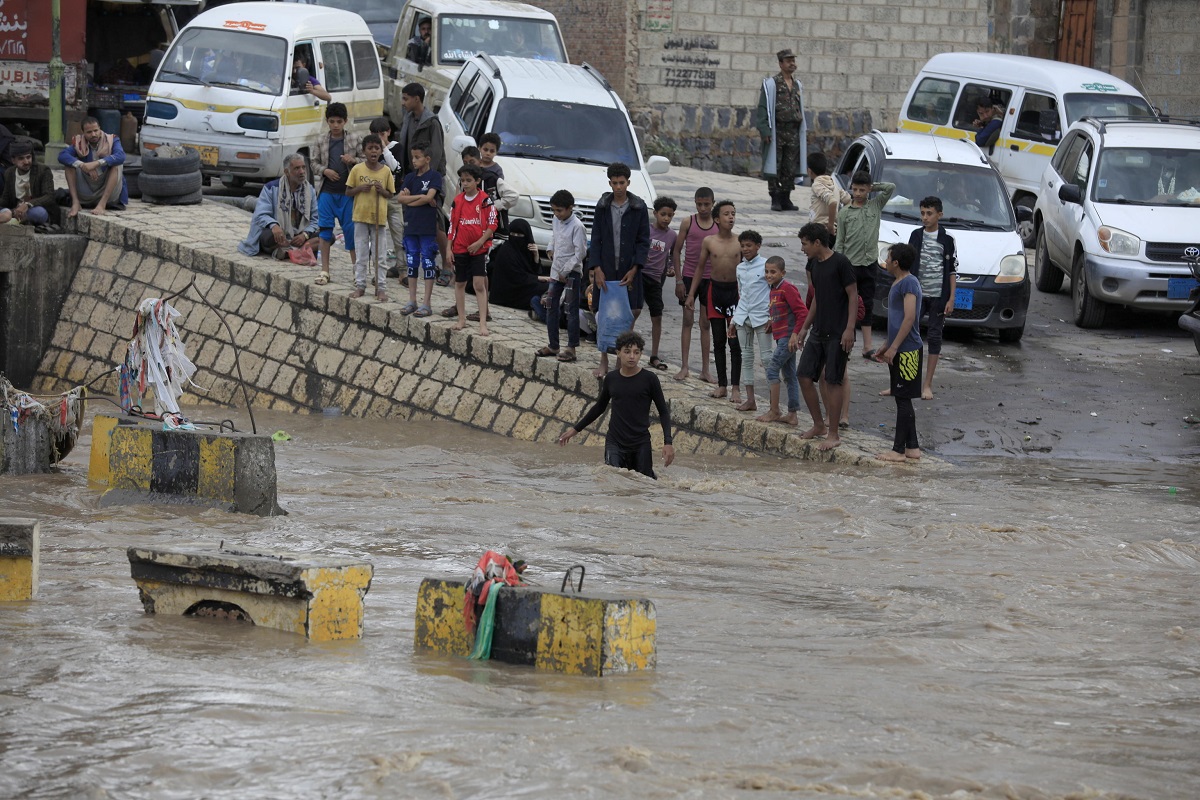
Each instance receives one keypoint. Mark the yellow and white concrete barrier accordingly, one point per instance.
(18, 558)
(322, 600)
(575, 634)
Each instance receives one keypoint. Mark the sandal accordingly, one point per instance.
(869, 355)
(409, 308)
(423, 311)
(546, 352)
(566, 358)
(322, 279)
(443, 278)
(452, 311)
(658, 363)
(474, 317)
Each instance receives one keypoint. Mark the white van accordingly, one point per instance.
(1040, 99)
(458, 29)
(226, 86)
(560, 125)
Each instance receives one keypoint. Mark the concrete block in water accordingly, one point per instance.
(135, 460)
(576, 634)
(19, 543)
(319, 599)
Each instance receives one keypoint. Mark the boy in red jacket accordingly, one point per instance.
(472, 223)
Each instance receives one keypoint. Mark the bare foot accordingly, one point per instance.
(720, 391)
(458, 326)
(790, 419)
(771, 416)
(707, 378)
(891, 456)
(814, 432)
(735, 396)
(886, 393)
(829, 443)
(599, 372)
(926, 393)
(74, 210)
(749, 405)
(681, 375)
(913, 454)
(483, 331)
(98, 211)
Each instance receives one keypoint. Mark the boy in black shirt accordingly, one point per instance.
(631, 390)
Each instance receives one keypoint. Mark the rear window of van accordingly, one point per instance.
(933, 101)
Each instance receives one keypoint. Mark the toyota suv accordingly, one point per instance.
(992, 290)
(560, 125)
(1119, 214)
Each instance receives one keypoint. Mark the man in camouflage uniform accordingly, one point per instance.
(780, 123)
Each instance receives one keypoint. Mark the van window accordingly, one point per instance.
(418, 49)
(1038, 119)
(207, 56)
(933, 100)
(1105, 105)
(338, 76)
(972, 95)
(304, 55)
(366, 64)
(459, 37)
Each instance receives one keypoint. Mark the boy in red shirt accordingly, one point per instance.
(472, 223)
(788, 313)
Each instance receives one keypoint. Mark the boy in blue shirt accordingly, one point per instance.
(903, 352)
(419, 198)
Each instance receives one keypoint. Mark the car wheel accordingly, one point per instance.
(1025, 228)
(1046, 277)
(171, 161)
(1089, 312)
(1011, 335)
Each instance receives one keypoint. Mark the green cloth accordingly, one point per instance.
(858, 228)
(485, 628)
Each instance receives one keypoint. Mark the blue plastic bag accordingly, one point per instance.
(614, 316)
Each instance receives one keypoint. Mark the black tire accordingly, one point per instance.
(1196, 341)
(155, 164)
(179, 200)
(1026, 229)
(1011, 335)
(171, 185)
(1046, 277)
(133, 181)
(1089, 312)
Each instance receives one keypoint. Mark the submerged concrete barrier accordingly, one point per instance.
(322, 600)
(135, 460)
(575, 634)
(19, 543)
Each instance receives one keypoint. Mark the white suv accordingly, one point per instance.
(561, 126)
(1119, 213)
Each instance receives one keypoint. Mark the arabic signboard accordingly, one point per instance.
(14, 28)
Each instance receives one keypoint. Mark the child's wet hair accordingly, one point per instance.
(630, 338)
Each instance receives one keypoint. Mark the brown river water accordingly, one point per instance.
(998, 629)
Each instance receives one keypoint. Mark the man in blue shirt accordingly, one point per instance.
(92, 166)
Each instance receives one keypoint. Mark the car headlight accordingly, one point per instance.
(1012, 269)
(526, 209)
(1118, 242)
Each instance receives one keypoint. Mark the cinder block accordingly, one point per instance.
(319, 599)
(577, 634)
(19, 544)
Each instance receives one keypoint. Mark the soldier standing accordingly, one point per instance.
(780, 123)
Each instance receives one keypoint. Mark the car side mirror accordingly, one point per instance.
(460, 143)
(658, 165)
(1070, 193)
(1024, 213)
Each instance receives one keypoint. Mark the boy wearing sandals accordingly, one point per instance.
(370, 184)
(568, 247)
(419, 194)
(334, 152)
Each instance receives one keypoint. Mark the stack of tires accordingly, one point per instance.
(171, 177)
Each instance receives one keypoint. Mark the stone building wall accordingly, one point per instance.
(1155, 45)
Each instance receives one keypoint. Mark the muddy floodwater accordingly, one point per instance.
(997, 629)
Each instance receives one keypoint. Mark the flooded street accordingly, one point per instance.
(995, 629)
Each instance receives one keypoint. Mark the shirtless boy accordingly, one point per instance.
(720, 254)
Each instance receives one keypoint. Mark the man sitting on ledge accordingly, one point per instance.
(92, 165)
(28, 194)
(285, 216)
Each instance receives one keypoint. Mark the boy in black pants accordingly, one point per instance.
(631, 389)
(936, 268)
(903, 352)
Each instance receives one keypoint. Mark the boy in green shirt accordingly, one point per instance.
(858, 240)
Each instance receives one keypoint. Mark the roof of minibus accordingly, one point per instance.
(282, 19)
(483, 8)
(1036, 73)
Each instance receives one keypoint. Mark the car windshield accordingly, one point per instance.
(1105, 105)
(460, 37)
(1147, 176)
(245, 62)
(559, 131)
(972, 197)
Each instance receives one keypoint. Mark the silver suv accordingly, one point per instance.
(1119, 213)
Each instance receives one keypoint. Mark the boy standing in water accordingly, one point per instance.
(692, 231)
(631, 390)
(721, 253)
(903, 352)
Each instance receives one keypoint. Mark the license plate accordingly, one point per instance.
(964, 299)
(1180, 288)
(208, 155)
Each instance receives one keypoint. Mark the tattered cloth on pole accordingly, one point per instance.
(63, 413)
(493, 569)
(156, 357)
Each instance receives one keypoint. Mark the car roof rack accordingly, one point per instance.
(595, 73)
(1102, 123)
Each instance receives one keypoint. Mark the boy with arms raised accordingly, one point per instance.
(788, 315)
(936, 268)
(831, 318)
(752, 316)
(370, 184)
(631, 390)
(903, 352)
(472, 223)
(692, 231)
(719, 256)
(660, 265)
(419, 197)
(858, 240)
